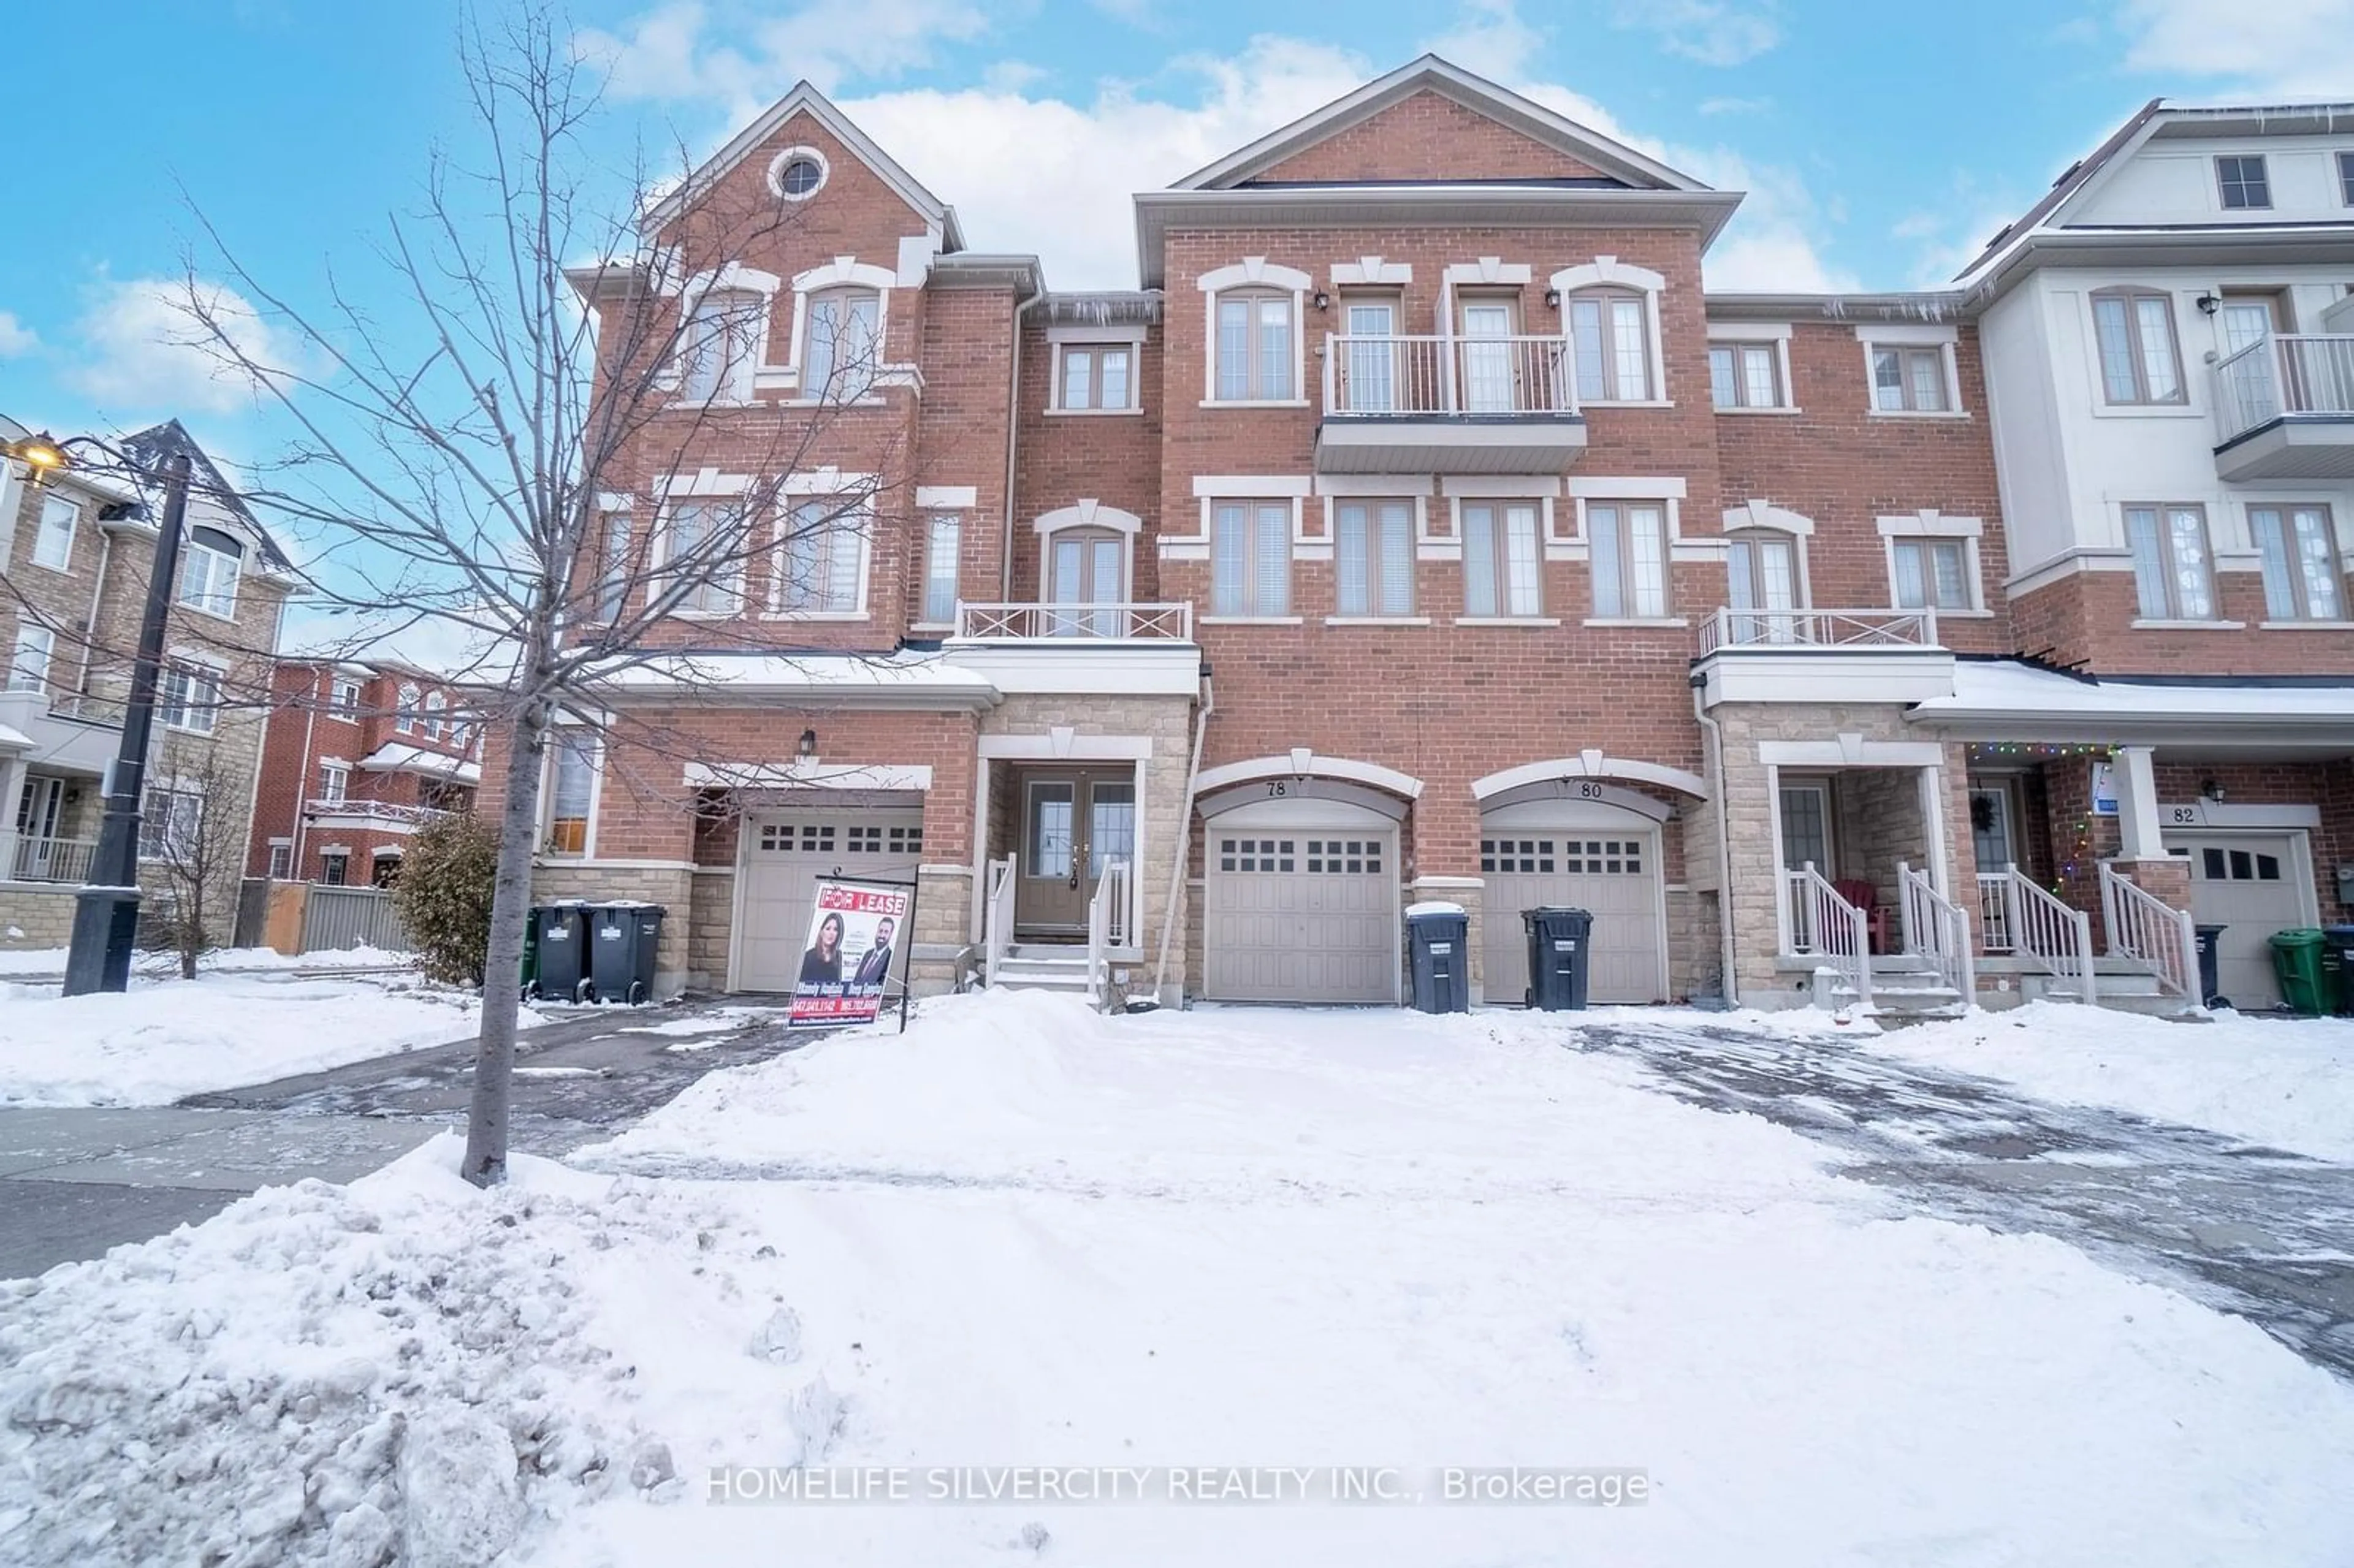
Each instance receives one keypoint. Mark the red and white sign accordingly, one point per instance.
(856, 934)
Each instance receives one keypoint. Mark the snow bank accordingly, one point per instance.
(52, 960)
(162, 1040)
(2288, 1083)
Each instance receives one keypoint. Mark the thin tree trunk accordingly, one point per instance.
(486, 1125)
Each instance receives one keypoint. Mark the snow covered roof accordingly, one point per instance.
(2024, 698)
(14, 740)
(403, 757)
(908, 678)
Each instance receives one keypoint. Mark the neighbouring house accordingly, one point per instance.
(76, 548)
(1420, 528)
(358, 756)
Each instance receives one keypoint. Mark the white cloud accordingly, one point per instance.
(671, 52)
(1708, 31)
(2288, 48)
(15, 337)
(1490, 39)
(140, 351)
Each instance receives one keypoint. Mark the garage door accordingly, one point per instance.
(785, 853)
(1301, 914)
(1613, 874)
(2252, 885)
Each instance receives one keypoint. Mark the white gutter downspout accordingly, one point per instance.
(1723, 846)
(1184, 837)
(1013, 440)
(301, 823)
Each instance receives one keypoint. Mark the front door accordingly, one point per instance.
(1074, 821)
(1488, 357)
(38, 812)
(1084, 569)
(1371, 386)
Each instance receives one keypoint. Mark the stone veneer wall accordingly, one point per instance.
(35, 916)
(670, 888)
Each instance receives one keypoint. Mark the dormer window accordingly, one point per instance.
(2243, 184)
(209, 564)
(722, 346)
(844, 347)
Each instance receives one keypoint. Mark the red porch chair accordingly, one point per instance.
(1861, 892)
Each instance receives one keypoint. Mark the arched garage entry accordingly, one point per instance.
(1568, 834)
(1300, 877)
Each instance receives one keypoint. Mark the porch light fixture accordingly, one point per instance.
(1323, 300)
(2208, 303)
(809, 744)
(1553, 298)
(2210, 790)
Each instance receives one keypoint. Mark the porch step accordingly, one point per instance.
(1019, 973)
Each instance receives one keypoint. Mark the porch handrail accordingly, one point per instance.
(1810, 629)
(1107, 622)
(997, 919)
(1418, 376)
(2151, 932)
(1831, 929)
(50, 859)
(1995, 923)
(1936, 929)
(2282, 374)
(2054, 935)
(1106, 925)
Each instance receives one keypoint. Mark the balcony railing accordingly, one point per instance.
(374, 810)
(1801, 629)
(1424, 377)
(53, 860)
(2284, 377)
(1098, 622)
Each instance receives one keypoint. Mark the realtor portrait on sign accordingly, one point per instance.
(852, 954)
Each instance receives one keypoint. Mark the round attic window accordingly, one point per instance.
(797, 174)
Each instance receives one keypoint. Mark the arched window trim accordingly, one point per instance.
(1254, 275)
(733, 278)
(1608, 275)
(843, 273)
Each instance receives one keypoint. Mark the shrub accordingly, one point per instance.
(443, 894)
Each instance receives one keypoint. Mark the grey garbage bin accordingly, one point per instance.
(1558, 951)
(622, 936)
(2206, 983)
(562, 971)
(1439, 941)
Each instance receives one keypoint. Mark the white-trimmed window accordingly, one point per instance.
(1372, 558)
(29, 663)
(1096, 378)
(1628, 548)
(821, 568)
(2242, 182)
(1909, 379)
(334, 783)
(1502, 559)
(703, 556)
(572, 763)
(614, 566)
(281, 859)
(1610, 346)
(722, 346)
(1746, 376)
(2174, 570)
(943, 545)
(797, 174)
(2141, 360)
(188, 696)
(844, 346)
(343, 698)
(1763, 586)
(209, 561)
(434, 704)
(54, 536)
(1931, 574)
(1250, 558)
(171, 820)
(407, 708)
(2345, 178)
(2303, 578)
(335, 867)
(1256, 350)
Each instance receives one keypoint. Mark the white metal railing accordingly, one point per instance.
(2026, 920)
(1938, 929)
(53, 860)
(374, 810)
(1803, 629)
(1104, 622)
(1826, 926)
(2151, 932)
(1410, 377)
(997, 918)
(1106, 925)
(2282, 376)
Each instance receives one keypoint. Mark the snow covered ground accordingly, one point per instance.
(164, 1039)
(2284, 1082)
(19, 961)
(1026, 1236)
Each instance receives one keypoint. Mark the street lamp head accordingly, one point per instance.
(43, 453)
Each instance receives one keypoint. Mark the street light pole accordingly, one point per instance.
(106, 911)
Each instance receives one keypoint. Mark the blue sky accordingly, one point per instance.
(1880, 142)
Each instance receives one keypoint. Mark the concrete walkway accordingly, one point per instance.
(74, 1182)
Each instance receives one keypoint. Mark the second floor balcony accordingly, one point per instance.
(1449, 405)
(1821, 655)
(2284, 409)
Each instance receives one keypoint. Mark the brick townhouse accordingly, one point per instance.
(75, 547)
(1420, 529)
(358, 756)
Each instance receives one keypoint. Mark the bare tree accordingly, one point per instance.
(197, 845)
(533, 355)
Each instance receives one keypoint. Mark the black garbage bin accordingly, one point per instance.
(1439, 939)
(2208, 936)
(561, 933)
(2338, 969)
(621, 939)
(1558, 951)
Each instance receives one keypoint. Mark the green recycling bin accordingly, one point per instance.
(2297, 958)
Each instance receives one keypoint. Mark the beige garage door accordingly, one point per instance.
(785, 853)
(2251, 885)
(1613, 874)
(1301, 914)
